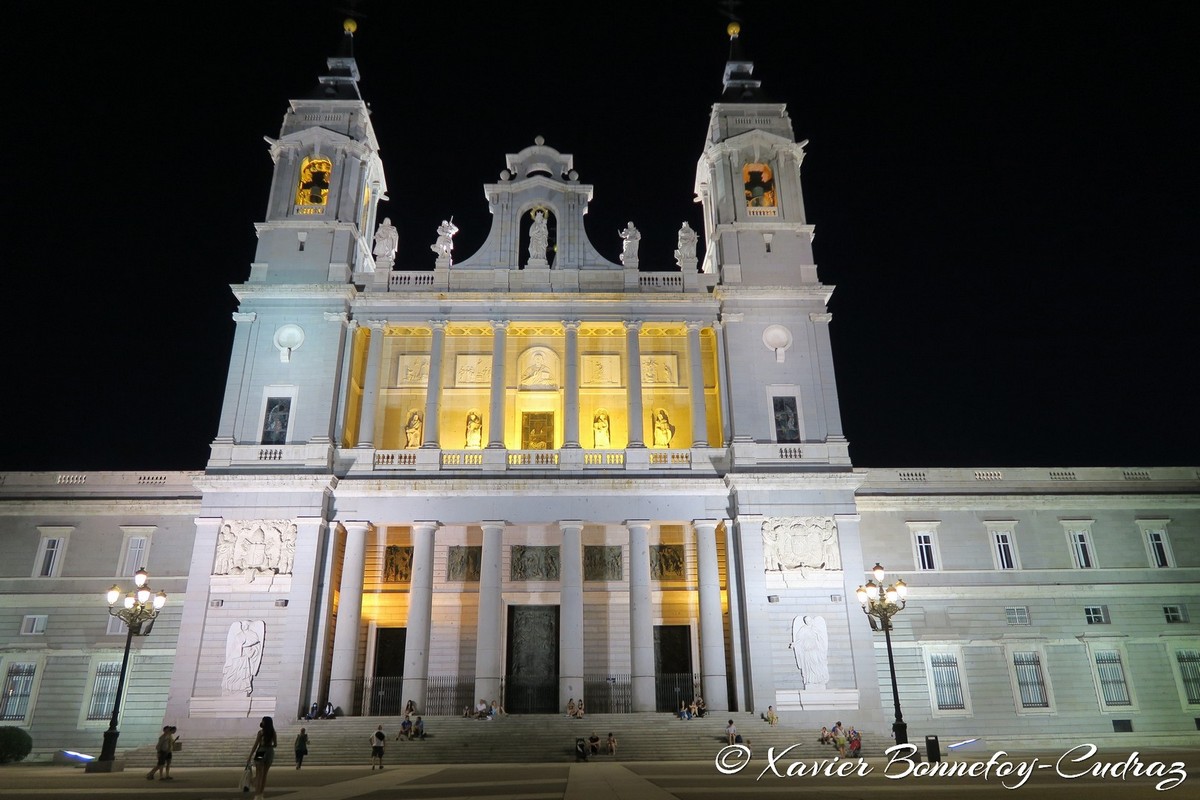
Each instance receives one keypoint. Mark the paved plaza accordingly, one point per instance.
(642, 780)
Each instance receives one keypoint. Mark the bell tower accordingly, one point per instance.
(774, 311)
(327, 184)
(294, 331)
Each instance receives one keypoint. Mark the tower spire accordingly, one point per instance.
(739, 83)
(340, 82)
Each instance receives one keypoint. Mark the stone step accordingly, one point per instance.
(530, 738)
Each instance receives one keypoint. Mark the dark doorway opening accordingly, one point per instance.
(388, 681)
(531, 678)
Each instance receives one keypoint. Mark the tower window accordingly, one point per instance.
(759, 180)
(313, 189)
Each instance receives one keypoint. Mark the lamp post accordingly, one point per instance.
(882, 604)
(137, 607)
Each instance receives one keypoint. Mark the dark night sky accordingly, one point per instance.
(1004, 196)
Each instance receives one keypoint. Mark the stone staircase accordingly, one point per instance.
(533, 738)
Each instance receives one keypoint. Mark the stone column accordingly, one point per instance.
(570, 614)
(733, 571)
(496, 408)
(712, 631)
(420, 613)
(633, 401)
(343, 381)
(757, 616)
(490, 623)
(571, 386)
(696, 381)
(370, 398)
(641, 626)
(237, 385)
(433, 391)
(344, 669)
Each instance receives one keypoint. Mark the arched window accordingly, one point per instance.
(313, 188)
(759, 181)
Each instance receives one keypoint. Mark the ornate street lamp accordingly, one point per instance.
(880, 605)
(135, 609)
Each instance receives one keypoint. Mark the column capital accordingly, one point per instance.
(637, 523)
(818, 317)
(632, 325)
(695, 325)
(376, 324)
(338, 316)
(355, 524)
(244, 316)
(499, 324)
(429, 525)
(493, 523)
(571, 324)
(570, 523)
(706, 524)
(438, 324)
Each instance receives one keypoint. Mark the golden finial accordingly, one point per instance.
(733, 29)
(349, 26)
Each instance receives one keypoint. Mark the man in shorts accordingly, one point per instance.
(377, 740)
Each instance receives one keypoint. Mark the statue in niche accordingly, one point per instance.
(387, 241)
(685, 247)
(255, 547)
(445, 240)
(413, 429)
(810, 644)
(463, 562)
(630, 238)
(602, 563)
(800, 543)
(397, 564)
(533, 563)
(600, 430)
(243, 656)
(474, 430)
(666, 562)
(664, 431)
(539, 236)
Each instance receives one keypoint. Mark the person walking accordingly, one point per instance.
(162, 752)
(301, 747)
(262, 755)
(378, 738)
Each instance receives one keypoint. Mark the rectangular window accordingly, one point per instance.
(1189, 672)
(1031, 683)
(48, 557)
(1175, 614)
(1160, 554)
(1016, 615)
(925, 552)
(787, 419)
(104, 690)
(1096, 615)
(1004, 550)
(18, 687)
(135, 554)
(1113, 689)
(276, 419)
(1081, 547)
(947, 684)
(115, 626)
(34, 624)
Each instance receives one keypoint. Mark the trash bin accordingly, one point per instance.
(933, 749)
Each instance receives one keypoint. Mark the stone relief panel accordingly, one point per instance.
(601, 369)
(473, 370)
(533, 563)
(243, 656)
(660, 369)
(666, 562)
(800, 543)
(397, 564)
(413, 370)
(810, 644)
(462, 563)
(602, 563)
(254, 547)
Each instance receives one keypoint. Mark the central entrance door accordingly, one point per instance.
(388, 678)
(673, 679)
(531, 679)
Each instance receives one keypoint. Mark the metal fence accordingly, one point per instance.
(673, 688)
(607, 694)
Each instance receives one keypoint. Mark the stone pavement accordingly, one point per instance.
(602, 779)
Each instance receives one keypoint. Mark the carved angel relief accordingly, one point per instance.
(243, 655)
(255, 547)
(800, 543)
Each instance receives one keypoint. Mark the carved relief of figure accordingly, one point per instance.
(397, 563)
(243, 656)
(800, 542)
(287, 552)
(538, 371)
(445, 239)
(685, 248)
(413, 429)
(474, 430)
(226, 541)
(600, 429)
(387, 240)
(630, 238)
(666, 562)
(810, 643)
(664, 431)
(539, 236)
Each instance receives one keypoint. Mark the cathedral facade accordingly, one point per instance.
(537, 475)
